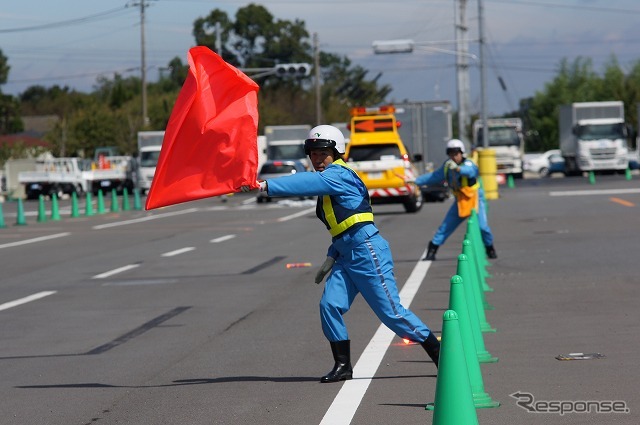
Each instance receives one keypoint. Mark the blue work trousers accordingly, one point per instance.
(366, 267)
(452, 220)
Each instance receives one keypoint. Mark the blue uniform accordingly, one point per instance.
(465, 177)
(363, 262)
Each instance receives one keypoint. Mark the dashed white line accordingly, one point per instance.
(593, 192)
(115, 271)
(141, 219)
(178, 251)
(25, 300)
(222, 238)
(296, 215)
(34, 240)
(346, 403)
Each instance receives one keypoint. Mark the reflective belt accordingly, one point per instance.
(336, 228)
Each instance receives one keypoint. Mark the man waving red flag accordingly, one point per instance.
(210, 143)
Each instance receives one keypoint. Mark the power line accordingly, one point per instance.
(68, 22)
(581, 7)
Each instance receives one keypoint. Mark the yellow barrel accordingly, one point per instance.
(488, 168)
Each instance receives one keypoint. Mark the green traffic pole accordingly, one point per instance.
(42, 213)
(55, 208)
(74, 205)
(472, 306)
(20, 220)
(2, 225)
(125, 200)
(101, 209)
(88, 211)
(458, 303)
(137, 204)
(476, 287)
(114, 201)
(454, 399)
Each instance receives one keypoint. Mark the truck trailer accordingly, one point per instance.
(593, 137)
(425, 128)
(286, 142)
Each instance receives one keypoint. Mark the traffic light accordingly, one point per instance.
(293, 69)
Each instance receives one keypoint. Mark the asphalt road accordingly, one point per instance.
(189, 315)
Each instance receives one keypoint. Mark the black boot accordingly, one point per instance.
(342, 369)
(491, 251)
(431, 252)
(432, 346)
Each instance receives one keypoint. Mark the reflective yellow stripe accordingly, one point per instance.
(336, 228)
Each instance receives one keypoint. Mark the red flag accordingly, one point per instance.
(210, 143)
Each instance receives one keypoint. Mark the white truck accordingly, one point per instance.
(286, 142)
(506, 138)
(62, 176)
(149, 146)
(593, 137)
(425, 128)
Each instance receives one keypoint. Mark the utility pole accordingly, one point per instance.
(483, 77)
(462, 67)
(143, 67)
(316, 64)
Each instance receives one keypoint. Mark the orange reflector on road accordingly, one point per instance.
(297, 265)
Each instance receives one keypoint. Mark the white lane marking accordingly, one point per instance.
(222, 238)
(178, 251)
(34, 240)
(115, 271)
(349, 397)
(147, 218)
(296, 215)
(593, 192)
(25, 300)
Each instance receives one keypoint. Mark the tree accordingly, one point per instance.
(10, 121)
(255, 39)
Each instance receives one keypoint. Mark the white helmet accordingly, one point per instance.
(324, 136)
(455, 144)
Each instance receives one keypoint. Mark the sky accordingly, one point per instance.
(73, 42)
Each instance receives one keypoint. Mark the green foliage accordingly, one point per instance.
(4, 68)
(577, 81)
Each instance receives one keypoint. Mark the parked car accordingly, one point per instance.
(275, 168)
(556, 164)
(540, 164)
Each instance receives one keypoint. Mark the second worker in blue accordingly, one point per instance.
(461, 174)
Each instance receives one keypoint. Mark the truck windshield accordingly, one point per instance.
(374, 152)
(600, 131)
(286, 151)
(149, 159)
(502, 136)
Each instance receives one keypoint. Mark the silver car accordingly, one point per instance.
(277, 168)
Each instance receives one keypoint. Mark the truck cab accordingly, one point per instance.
(594, 137)
(505, 137)
(149, 147)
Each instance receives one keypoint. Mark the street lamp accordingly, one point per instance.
(408, 46)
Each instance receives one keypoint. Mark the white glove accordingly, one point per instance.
(262, 188)
(451, 164)
(324, 269)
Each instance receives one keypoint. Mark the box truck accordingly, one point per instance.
(593, 137)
